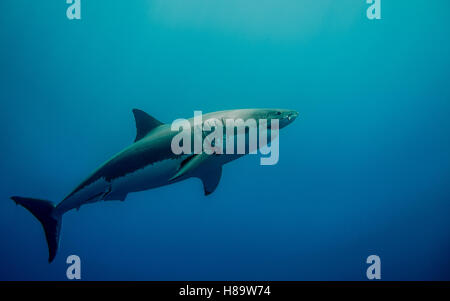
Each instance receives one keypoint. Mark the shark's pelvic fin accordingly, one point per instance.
(197, 166)
(44, 211)
(211, 179)
(144, 123)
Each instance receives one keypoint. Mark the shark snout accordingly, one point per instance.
(292, 115)
(287, 117)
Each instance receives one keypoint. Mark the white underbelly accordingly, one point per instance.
(151, 176)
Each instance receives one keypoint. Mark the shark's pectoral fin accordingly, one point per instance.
(115, 197)
(191, 166)
(144, 123)
(211, 179)
(201, 166)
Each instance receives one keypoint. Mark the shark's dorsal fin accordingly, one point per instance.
(144, 123)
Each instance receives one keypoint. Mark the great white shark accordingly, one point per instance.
(147, 163)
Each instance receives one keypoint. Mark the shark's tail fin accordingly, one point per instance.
(44, 211)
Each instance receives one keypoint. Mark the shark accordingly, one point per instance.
(147, 163)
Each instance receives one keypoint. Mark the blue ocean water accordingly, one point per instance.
(364, 170)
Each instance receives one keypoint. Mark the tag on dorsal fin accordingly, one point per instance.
(144, 123)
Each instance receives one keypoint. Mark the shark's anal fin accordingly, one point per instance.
(211, 179)
(144, 123)
(200, 166)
